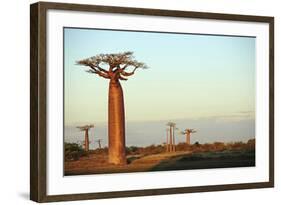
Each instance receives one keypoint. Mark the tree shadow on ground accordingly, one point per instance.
(133, 158)
(206, 161)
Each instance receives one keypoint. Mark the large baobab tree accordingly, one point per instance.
(187, 132)
(114, 67)
(171, 126)
(86, 128)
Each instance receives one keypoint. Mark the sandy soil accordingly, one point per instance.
(97, 163)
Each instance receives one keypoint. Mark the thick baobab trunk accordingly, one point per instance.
(116, 124)
(87, 140)
(188, 138)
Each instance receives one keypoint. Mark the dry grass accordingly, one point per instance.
(156, 158)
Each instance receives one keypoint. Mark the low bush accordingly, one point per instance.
(73, 151)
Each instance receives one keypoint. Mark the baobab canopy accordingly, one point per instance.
(171, 124)
(85, 127)
(189, 131)
(117, 65)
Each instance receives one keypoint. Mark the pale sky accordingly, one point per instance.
(189, 76)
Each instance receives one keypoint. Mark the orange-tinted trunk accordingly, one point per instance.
(188, 138)
(174, 143)
(116, 124)
(167, 140)
(171, 140)
(86, 140)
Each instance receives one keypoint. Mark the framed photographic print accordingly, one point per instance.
(134, 102)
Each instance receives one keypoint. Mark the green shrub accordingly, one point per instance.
(73, 151)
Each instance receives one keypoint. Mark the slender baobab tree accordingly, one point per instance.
(86, 129)
(187, 132)
(171, 126)
(114, 67)
(167, 140)
(99, 143)
(174, 138)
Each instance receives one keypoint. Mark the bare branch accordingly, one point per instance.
(102, 74)
(117, 62)
(124, 67)
(91, 71)
(92, 67)
(171, 124)
(189, 131)
(122, 78)
(101, 69)
(129, 73)
(85, 127)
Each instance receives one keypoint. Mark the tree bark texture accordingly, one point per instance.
(171, 140)
(188, 138)
(86, 140)
(116, 124)
(174, 143)
(167, 140)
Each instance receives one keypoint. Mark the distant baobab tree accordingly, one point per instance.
(99, 143)
(171, 146)
(86, 129)
(167, 140)
(116, 69)
(187, 132)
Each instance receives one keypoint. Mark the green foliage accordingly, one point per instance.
(197, 143)
(152, 149)
(73, 151)
(183, 147)
(103, 150)
(132, 150)
(194, 148)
